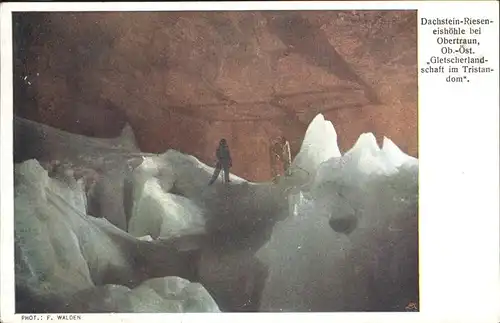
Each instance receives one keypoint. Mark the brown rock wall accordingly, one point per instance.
(185, 80)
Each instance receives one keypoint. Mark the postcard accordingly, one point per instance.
(227, 161)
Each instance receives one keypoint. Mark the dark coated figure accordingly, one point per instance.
(224, 162)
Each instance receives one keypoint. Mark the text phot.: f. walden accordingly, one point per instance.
(51, 317)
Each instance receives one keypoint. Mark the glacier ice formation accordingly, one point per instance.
(118, 230)
(59, 250)
(166, 294)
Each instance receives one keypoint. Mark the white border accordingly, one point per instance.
(459, 191)
(219, 5)
(6, 166)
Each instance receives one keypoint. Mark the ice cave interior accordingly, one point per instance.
(102, 227)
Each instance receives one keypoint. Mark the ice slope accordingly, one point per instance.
(352, 242)
(45, 143)
(59, 250)
(110, 158)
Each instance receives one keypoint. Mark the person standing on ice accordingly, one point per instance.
(286, 155)
(280, 158)
(224, 162)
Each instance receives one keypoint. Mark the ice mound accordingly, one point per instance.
(49, 255)
(146, 238)
(396, 156)
(319, 145)
(164, 215)
(368, 158)
(60, 250)
(158, 295)
(364, 161)
(126, 140)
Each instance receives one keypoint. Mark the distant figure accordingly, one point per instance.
(224, 162)
(280, 157)
(287, 157)
(128, 193)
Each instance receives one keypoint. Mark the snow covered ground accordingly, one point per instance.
(145, 232)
